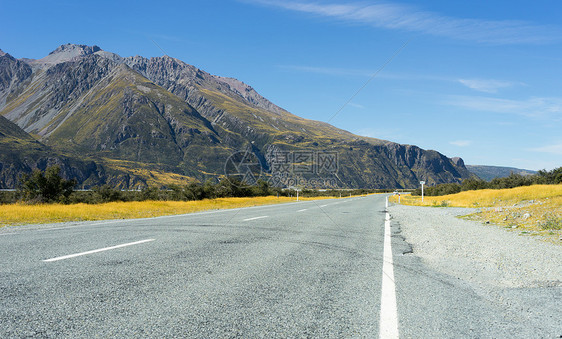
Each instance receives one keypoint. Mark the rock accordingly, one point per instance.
(526, 216)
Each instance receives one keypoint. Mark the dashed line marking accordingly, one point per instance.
(96, 251)
(306, 209)
(255, 218)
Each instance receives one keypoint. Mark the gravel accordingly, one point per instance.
(483, 254)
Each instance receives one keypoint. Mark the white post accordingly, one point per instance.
(297, 195)
(422, 183)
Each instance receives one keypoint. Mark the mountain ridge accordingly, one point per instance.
(167, 114)
(490, 172)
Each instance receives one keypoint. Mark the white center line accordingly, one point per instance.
(388, 325)
(306, 209)
(98, 250)
(323, 206)
(265, 216)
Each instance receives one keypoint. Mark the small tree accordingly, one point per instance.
(46, 187)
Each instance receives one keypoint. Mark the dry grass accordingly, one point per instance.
(531, 210)
(16, 214)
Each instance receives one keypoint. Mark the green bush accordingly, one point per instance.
(47, 186)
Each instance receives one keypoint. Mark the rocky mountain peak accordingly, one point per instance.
(2, 53)
(76, 49)
(66, 53)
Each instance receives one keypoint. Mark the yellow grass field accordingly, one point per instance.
(16, 214)
(532, 210)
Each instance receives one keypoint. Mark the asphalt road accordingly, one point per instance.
(307, 269)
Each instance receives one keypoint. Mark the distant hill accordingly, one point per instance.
(490, 172)
(159, 119)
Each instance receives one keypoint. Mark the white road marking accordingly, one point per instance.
(265, 216)
(306, 209)
(53, 228)
(96, 251)
(323, 206)
(388, 325)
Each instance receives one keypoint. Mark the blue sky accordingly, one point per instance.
(476, 79)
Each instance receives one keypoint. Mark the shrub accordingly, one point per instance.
(106, 194)
(45, 186)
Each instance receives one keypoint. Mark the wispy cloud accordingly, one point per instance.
(461, 143)
(352, 104)
(487, 85)
(409, 18)
(341, 71)
(533, 107)
(553, 149)
(329, 70)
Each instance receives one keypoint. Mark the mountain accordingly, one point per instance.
(21, 153)
(490, 172)
(165, 116)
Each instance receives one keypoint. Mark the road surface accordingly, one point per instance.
(307, 269)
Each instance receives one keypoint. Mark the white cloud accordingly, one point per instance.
(461, 143)
(532, 107)
(553, 149)
(487, 85)
(395, 16)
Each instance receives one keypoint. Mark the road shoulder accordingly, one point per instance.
(472, 251)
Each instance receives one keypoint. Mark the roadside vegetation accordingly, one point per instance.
(529, 210)
(15, 214)
(48, 187)
(552, 177)
(45, 197)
